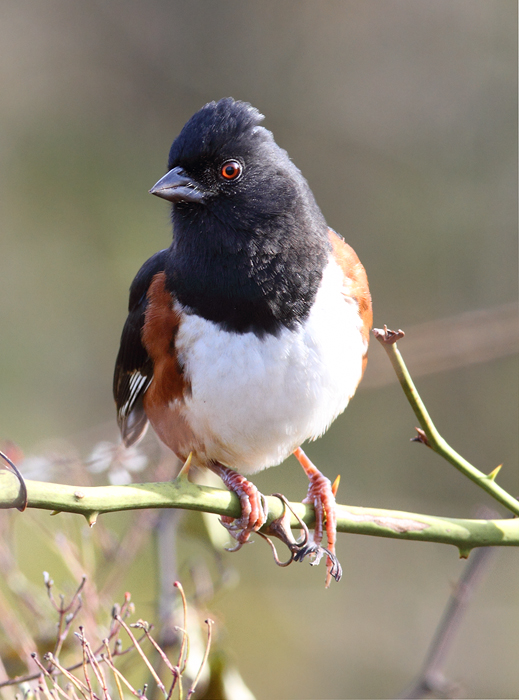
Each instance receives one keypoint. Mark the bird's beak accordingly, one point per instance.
(177, 186)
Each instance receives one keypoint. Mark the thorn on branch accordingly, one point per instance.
(494, 473)
(91, 518)
(387, 336)
(421, 437)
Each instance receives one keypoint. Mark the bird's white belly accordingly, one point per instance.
(254, 400)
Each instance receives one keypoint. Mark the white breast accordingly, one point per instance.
(254, 400)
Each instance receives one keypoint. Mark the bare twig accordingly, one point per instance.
(143, 656)
(116, 678)
(83, 689)
(92, 660)
(119, 675)
(67, 614)
(184, 646)
(191, 690)
(431, 678)
(122, 611)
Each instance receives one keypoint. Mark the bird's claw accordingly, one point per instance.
(23, 497)
(233, 526)
(280, 527)
(301, 548)
(237, 546)
(240, 534)
(317, 551)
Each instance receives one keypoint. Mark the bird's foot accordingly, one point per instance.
(280, 528)
(299, 549)
(321, 494)
(23, 497)
(254, 509)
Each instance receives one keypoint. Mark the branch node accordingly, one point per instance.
(387, 336)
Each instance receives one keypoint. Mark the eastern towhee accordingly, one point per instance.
(249, 334)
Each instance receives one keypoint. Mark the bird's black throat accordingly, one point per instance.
(260, 280)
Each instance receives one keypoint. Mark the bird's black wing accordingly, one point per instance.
(134, 368)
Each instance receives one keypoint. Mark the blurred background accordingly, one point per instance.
(402, 114)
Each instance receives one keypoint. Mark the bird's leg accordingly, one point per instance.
(321, 495)
(254, 509)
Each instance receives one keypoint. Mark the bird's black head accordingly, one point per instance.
(250, 242)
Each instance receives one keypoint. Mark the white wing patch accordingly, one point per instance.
(137, 385)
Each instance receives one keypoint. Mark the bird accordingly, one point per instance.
(249, 335)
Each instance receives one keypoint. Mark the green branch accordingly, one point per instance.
(181, 493)
(429, 435)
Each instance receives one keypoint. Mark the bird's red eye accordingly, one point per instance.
(231, 169)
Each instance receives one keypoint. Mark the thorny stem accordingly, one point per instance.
(433, 438)
(462, 533)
